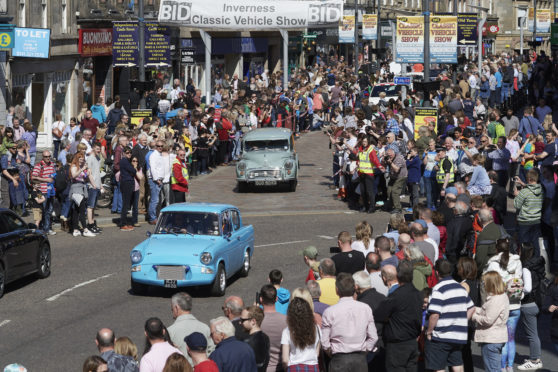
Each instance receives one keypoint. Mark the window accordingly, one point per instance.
(13, 223)
(235, 220)
(521, 14)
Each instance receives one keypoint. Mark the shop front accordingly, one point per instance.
(95, 48)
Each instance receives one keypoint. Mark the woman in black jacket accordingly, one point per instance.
(127, 186)
(533, 273)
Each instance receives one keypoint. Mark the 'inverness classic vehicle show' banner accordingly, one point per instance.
(369, 27)
(409, 42)
(443, 39)
(251, 14)
(347, 29)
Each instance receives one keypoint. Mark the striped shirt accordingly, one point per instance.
(451, 301)
(42, 170)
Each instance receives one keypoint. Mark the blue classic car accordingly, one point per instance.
(194, 244)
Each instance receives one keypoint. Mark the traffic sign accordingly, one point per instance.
(539, 38)
(402, 80)
(310, 36)
(6, 37)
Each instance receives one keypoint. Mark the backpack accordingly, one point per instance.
(62, 179)
(514, 289)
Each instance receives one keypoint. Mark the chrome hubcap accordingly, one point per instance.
(246, 261)
(222, 280)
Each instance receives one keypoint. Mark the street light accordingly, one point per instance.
(480, 26)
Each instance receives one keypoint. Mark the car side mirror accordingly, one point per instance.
(148, 234)
(32, 226)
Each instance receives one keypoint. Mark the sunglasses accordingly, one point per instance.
(159, 146)
(242, 320)
(134, 161)
(45, 157)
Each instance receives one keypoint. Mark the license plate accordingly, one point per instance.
(170, 283)
(266, 183)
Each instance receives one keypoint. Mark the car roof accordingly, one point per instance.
(198, 207)
(267, 134)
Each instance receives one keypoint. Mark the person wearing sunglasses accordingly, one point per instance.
(43, 175)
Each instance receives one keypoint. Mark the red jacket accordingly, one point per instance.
(182, 184)
(224, 132)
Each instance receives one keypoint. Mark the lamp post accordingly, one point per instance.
(522, 19)
(355, 51)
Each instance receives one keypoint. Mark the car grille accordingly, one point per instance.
(171, 272)
(265, 173)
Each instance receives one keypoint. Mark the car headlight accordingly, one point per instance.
(206, 258)
(241, 166)
(136, 257)
(289, 165)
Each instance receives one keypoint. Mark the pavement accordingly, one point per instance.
(50, 324)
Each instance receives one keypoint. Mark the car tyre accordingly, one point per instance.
(220, 283)
(2, 280)
(138, 288)
(245, 264)
(45, 260)
(242, 187)
(292, 186)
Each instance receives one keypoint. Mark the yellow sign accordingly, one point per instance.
(425, 116)
(6, 39)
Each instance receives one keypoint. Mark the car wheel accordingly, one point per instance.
(2, 280)
(138, 288)
(43, 270)
(220, 284)
(242, 187)
(245, 264)
(292, 186)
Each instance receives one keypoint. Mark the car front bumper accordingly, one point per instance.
(258, 176)
(194, 276)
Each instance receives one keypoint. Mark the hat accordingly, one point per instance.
(422, 223)
(196, 341)
(15, 367)
(310, 252)
(451, 190)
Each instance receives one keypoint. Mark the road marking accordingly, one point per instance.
(57, 296)
(4, 322)
(282, 243)
(325, 237)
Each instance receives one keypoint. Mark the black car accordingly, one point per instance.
(24, 250)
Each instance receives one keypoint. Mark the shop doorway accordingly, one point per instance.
(38, 102)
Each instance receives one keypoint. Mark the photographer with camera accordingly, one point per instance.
(397, 178)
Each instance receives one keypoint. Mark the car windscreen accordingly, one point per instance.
(390, 90)
(196, 223)
(267, 145)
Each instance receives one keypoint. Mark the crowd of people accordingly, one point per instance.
(414, 297)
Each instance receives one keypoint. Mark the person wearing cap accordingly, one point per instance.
(186, 323)
(230, 355)
(309, 254)
(196, 345)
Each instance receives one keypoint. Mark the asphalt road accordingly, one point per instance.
(50, 325)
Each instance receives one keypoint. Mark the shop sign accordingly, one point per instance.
(347, 29)
(125, 44)
(6, 37)
(369, 27)
(443, 39)
(251, 14)
(31, 42)
(425, 116)
(409, 40)
(157, 45)
(187, 55)
(544, 17)
(467, 29)
(138, 115)
(95, 42)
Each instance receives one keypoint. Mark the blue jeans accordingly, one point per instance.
(117, 199)
(66, 205)
(491, 356)
(155, 190)
(48, 206)
(530, 234)
(508, 351)
(430, 187)
(506, 92)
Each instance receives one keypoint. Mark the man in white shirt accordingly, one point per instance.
(374, 270)
(156, 176)
(86, 140)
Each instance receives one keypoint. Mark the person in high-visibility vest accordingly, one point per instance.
(179, 177)
(445, 172)
(367, 162)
